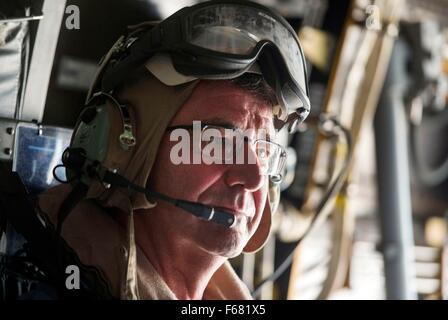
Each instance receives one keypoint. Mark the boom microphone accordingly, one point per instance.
(197, 209)
(75, 159)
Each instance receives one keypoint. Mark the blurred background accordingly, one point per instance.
(367, 174)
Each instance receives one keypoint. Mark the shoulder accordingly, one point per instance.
(91, 232)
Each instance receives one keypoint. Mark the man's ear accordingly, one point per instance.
(260, 236)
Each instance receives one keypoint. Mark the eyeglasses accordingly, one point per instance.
(226, 145)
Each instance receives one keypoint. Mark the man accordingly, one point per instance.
(156, 228)
(197, 248)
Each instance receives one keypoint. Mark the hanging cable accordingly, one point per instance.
(335, 127)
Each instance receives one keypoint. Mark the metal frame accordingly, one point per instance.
(394, 190)
(42, 61)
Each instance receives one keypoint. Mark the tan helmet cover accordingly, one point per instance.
(260, 237)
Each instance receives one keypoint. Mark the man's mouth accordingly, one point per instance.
(235, 212)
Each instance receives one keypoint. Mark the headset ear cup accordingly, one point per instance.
(97, 132)
(89, 137)
(117, 158)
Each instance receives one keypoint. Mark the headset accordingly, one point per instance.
(84, 158)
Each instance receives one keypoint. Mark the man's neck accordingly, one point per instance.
(185, 269)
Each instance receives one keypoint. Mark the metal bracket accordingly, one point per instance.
(7, 134)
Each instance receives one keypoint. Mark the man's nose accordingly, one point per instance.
(245, 173)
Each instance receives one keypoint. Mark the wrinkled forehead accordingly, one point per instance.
(221, 102)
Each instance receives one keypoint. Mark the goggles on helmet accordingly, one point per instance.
(223, 40)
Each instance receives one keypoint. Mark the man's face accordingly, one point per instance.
(235, 188)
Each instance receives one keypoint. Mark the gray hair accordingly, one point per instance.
(256, 85)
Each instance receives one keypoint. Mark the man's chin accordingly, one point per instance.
(229, 243)
(228, 252)
(223, 241)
